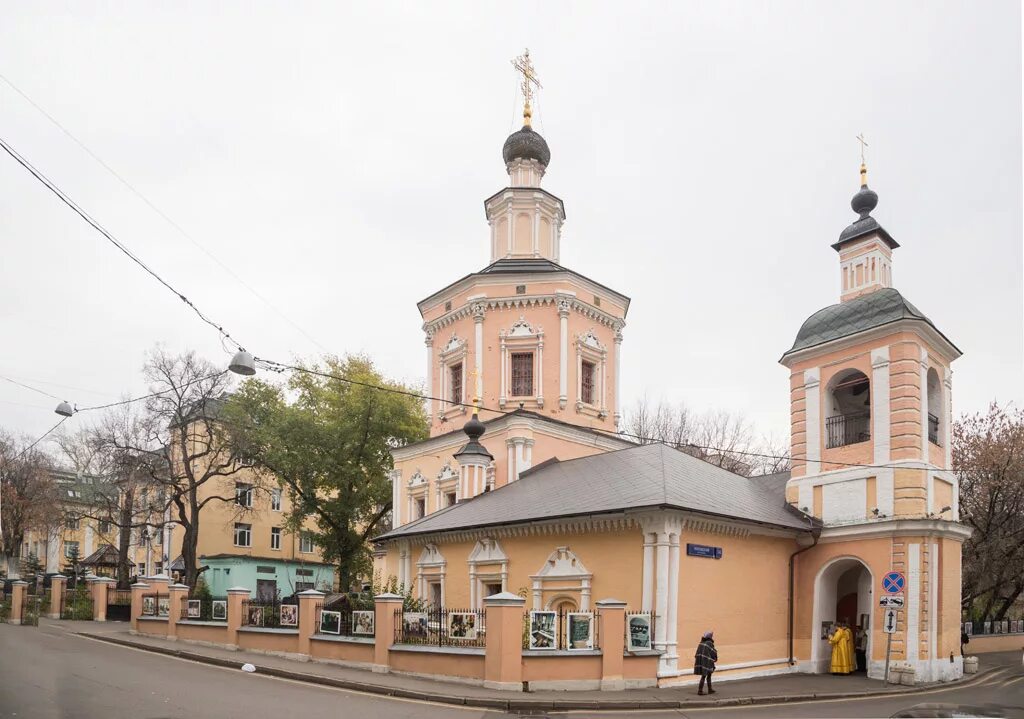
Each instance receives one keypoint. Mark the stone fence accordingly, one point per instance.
(495, 660)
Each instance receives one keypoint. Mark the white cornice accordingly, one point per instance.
(929, 334)
(938, 528)
(522, 302)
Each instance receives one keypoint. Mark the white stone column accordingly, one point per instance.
(661, 592)
(472, 587)
(538, 595)
(881, 425)
(563, 352)
(947, 419)
(812, 407)
(672, 630)
(616, 370)
(540, 367)
(396, 498)
(428, 404)
(647, 588)
(513, 473)
(913, 636)
(604, 383)
(502, 395)
(536, 230)
(585, 594)
(924, 404)
(479, 309)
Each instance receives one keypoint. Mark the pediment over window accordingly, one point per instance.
(487, 551)
(589, 339)
(431, 556)
(417, 478)
(521, 328)
(563, 563)
(453, 344)
(447, 473)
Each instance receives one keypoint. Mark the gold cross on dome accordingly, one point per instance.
(530, 81)
(863, 145)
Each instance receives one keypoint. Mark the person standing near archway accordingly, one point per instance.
(842, 651)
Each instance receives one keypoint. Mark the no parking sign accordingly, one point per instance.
(893, 582)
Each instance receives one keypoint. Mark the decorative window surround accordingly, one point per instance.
(447, 481)
(487, 552)
(456, 351)
(396, 498)
(522, 337)
(430, 559)
(417, 489)
(563, 571)
(589, 348)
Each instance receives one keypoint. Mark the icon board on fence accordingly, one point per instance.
(462, 625)
(638, 632)
(362, 622)
(542, 630)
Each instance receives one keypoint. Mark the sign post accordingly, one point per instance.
(892, 585)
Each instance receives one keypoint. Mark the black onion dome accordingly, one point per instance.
(526, 144)
(474, 428)
(864, 201)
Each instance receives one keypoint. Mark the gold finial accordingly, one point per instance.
(529, 84)
(476, 391)
(863, 163)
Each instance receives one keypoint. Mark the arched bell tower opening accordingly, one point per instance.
(842, 593)
(936, 417)
(848, 409)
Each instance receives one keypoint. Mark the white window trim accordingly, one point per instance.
(236, 530)
(278, 536)
(248, 491)
(522, 337)
(456, 351)
(276, 497)
(303, 538)
(591, 349)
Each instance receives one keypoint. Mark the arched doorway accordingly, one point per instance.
(843, 591)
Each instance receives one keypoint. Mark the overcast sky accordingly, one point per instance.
(335, 156)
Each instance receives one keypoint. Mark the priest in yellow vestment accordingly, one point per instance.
(842, 650)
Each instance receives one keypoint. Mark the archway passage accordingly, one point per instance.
(842, 593)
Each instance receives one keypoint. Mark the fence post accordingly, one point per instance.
(307, 618)
(236, 596)
(503, 661)
(176, 594)
(612, 615)
(58, 585)
(384, 606)
(138, 589)
(19, 590)
(100, 587)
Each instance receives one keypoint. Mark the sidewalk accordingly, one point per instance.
(767, 690)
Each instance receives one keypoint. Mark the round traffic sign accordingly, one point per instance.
(893, 582)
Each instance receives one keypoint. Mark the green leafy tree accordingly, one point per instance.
(329, 442)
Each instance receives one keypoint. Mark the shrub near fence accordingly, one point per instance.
(273, 615)
(441, 627)
(76, 603)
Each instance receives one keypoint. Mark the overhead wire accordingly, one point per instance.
(162, 214)
(29, 387)
(49, 184)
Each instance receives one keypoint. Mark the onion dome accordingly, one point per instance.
(473, 452)
(866, 199)
(526, 144)
(863, 203)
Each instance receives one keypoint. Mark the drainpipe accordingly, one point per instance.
(815, 533)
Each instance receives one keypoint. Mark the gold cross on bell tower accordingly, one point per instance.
(530, 83)
(863, 164)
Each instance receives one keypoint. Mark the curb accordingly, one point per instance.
(514, 704)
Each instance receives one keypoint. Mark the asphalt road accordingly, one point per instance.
(48, 673)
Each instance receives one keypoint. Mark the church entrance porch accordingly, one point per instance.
(842, 593)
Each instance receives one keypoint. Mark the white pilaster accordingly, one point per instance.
(947, 419)
(672, 630)
(615, 369)
(812, 408)
(913, 601)
(563, 352)
(478, 349)
(880, 412)
(513, 475)
(89, 537)
(396, 498)
(585, 594)
(503, 393)
(429, 403)
(924, 404)
(538, 595)
(933, 594)
(540, 367)
(661, 592)
(647, 588)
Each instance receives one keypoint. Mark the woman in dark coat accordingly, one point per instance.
(704, 661)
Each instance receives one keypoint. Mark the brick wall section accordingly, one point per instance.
(798, 424)
(905, 400)
(899, 564)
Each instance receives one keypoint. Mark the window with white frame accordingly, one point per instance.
(275, 537)
(243, 535)
(588, 372)
(522, 374)
(591, 374)
(453, 375)
(306, 543)
(70, 549)
(449, 499)
(275, 500)
(71, 522)
(455, 383)
(522, 364)
(420, 504)
(243, 494)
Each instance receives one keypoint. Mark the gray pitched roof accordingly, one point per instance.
(874, 309)
(863, 227)
(646, 476)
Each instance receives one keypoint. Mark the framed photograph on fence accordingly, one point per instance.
(362, 622)
(638, 632)
(330, 622)
(1006, 626)
(579, 632)
(255, 616)
(163, 606)
(414, 625)
(289, 615)
(542, 630)
(987, 628)
(149, 606)
(194, 610)
(462, 625)
(219, 610)
(969, 628)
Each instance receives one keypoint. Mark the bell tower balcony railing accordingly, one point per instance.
(844, 429)
(933, 429)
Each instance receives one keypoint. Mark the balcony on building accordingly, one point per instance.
(848, 419)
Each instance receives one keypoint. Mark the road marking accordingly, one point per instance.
(238, 672)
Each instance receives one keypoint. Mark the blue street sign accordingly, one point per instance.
(703, 550)
(893, 582)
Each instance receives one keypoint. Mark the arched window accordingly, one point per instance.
(935, 408)
(848, 409)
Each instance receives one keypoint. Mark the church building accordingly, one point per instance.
(524, 485)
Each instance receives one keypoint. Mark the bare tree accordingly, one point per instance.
(178, 446)
(721, 438)
(988, 453)
(29, 498)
